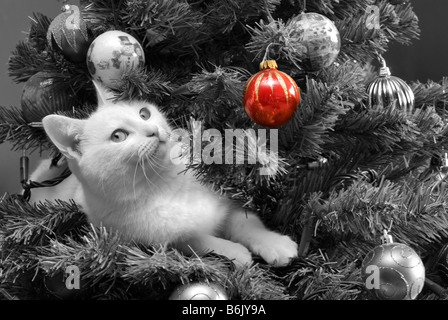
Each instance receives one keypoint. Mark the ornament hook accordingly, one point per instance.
(65, 7)
(386, 237)
(384, 69)
(266, 52)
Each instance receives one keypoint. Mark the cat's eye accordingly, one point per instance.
(145, 114)
(119, 135)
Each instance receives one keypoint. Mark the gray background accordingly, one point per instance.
(14, 24)
(425, 59)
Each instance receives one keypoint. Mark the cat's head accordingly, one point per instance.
(121, 144)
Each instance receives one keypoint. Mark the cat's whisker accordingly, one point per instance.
(148, 180)
(142, 164)
(131, 156)
(157, 164)
(134, 203)
(149, 160)
(123, 179)
(146, 158)
(134, 176)
(102, 184)
(133, 184)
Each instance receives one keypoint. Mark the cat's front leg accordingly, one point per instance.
(202, 244)
(249, 230)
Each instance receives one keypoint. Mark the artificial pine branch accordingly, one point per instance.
(347, 80)
(47, 238)
(15, 129)
(38, 31)
(309, 127)
(379, 129)
(145, 84)
(361, 208)
(36, 223)
(431, 94)
(24, 62)
(101, 15)
(318, 278)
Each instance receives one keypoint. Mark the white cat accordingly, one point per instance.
(123, 178)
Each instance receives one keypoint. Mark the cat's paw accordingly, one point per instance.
(276, 249)
(239, 254)
(203, 244)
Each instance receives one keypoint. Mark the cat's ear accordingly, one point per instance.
(64, 133)
(103, 94)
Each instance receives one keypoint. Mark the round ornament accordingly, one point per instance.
(44, 94)
(319, 40)
(393, 271)
(111, 54)
(387, 90)
(270, 97)
(69, 33)
(199, 291)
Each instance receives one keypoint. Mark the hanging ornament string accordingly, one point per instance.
(266, 53)
(303, 7)
(384, 70)
(114, 10)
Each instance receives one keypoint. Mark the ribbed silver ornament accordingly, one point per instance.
(390, 91)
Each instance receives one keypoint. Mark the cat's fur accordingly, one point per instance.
(133, 186)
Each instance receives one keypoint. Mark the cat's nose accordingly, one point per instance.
(152, 131)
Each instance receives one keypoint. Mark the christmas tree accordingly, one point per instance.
(362, 154)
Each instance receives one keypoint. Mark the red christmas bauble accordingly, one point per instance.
(270, 96)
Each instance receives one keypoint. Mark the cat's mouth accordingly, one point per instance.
(149, 148)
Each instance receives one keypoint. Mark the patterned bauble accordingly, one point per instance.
(43, 94)
(270, 97)
(393, 271)
(199, 291)
(69, 33)
(389, 91)
(111, 54)
(319, 40)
